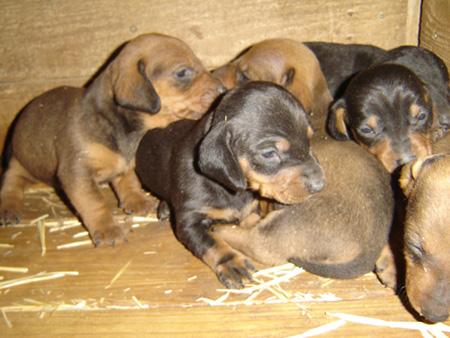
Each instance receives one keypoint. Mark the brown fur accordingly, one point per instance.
(337, 232)
(426, 182)
(288, 63)
(76, 138)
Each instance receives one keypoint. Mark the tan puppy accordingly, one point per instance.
(426, 183)
(288, 63)
(337, 232)
(76, 138)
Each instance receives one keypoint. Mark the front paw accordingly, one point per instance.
(386, 270)
(109, 236)
(9, 216)
(232, 268)
(137, 204)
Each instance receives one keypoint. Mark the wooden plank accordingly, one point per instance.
(47, 43)
(435, 28)
(163, 276)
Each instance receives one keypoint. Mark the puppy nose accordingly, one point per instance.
(405, 159)
(435, 317)
(315, 185)
(221, 88)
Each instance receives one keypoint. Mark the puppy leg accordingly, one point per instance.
(15, 180)
(132, 199)
(87, 199)
(385, 268)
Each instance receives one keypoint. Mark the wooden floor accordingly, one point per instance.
(151, 287)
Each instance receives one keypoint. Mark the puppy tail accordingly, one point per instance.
(357, 267)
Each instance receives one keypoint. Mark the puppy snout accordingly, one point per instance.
(156, 105)
(221, 88)
(405, 159)
(435, 317)
(314, 178)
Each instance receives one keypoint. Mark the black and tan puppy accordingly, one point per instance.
(288, 63)
(255, 143)
(426, 183)
(390, 107)
(76, 138)
(336, 233)
(340, 62)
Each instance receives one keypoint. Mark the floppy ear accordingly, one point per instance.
(288, 77)
(337, 120)
(411, 171)
(226, 74)
(133, 90)
(217, 160)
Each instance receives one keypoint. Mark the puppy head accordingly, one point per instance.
(285, 62)
(154, 62)
(427, 235)
(387, 110)
(259, 140)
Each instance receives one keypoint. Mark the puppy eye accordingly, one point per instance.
(366, 130)
(270, 155)
(421, 116)
(241, 77)
(183, 73)
(416, 251)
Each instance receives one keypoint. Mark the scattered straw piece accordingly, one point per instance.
(139, 304)
(74, 244)
(17, 234)
(7, 321)
(66, 225)
(6, 246)
(118, 274)
(438, 328)
(40, 218)
(321, 329)
(149, 218)
(42, 276)
(149, 252)
(190, 279)
(81, 234)
(13, 269)
(41, 230)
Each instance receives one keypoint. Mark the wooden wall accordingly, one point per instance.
(49, 43)
(435, 28)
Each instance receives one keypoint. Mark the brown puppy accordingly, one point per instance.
(426, 183)
(288, 63)
(76, 138)
(337, 232)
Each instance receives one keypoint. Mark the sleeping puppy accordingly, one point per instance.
(336, 233)
(389, 108)
(285, 62)
(426, 183)
(340, 62)
(76, 138)
(255, 143)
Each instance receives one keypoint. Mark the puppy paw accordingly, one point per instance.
(163, 211)
(109, 237)
(137, 204)
(232, 269)
(9, 216)
(386, 272)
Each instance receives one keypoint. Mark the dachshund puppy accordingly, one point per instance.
(336, 233)
(389, 108)
(76, 138)
(285, 62)
(426, 183)
(340, 62)
(255, 143)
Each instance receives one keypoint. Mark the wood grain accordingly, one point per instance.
(435, 28)
(48, 43)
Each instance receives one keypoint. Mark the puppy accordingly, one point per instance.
(389, 108)
(426, 183)
(285, 62)
(76, 138)
(340, 62)
(255, 143)
(336, 233)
